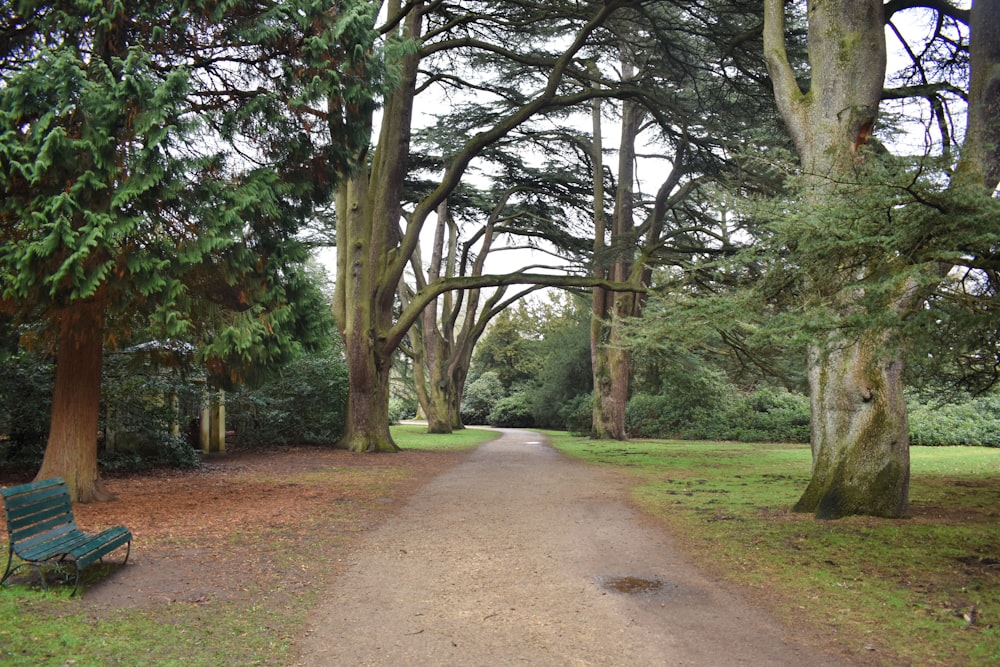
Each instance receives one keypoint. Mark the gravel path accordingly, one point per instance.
(521, 556)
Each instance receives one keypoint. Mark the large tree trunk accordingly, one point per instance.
(612, 396)
(368, 218)
(860, 435)
(439, 386)
(71, 452)
(980, 163)
(611, 364)
(859, 426)
(367, 427)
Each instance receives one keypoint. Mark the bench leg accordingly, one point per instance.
(7, 572)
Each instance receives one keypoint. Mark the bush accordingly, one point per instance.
(514, 411)
(644, 416)
(578, 414)
(968, 421)
(401, 408)
(767, 415)
(144, 401)
(480, 396)
(305, 404)
(772, 415)
(25, 407)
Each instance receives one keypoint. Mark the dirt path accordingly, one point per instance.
(519, 555)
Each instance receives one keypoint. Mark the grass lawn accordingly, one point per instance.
(923, 590)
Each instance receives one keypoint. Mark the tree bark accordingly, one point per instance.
(367, 427)
(979, 165)
(860, 438)
(71, 452)
(368, 218)
(612, 363)
(860, 434)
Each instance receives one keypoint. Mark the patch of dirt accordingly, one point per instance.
(520, 555)
(192, 530)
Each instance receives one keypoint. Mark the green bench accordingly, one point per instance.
(41, 529)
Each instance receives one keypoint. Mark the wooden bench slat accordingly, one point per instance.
(31, 487)
(27, 525)
(96, 547)
(53, 536)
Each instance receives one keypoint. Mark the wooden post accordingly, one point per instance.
(218, 422)
(175, 415)
(205, 423)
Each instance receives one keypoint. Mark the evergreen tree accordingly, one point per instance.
(155, 162)
(872, 245)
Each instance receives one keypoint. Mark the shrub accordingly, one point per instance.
(401, 408)
(645, 416)
(25, 407)
(767, 415)
(480, 396)
(144, 401)
(773, 415)
(305, 404)
(514, 411)
(577, 414)
(968, 421)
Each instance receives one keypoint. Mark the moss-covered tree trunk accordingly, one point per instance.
(71, 452)
(439, 388)
(859, 426)
(358, 259)
(611, 363)
(368, 234)
(980, 163)
(860, 435)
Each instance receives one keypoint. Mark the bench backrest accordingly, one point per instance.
(36, 508)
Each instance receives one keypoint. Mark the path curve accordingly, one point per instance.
(509, 558)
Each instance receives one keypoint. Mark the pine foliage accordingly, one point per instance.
(162, 156)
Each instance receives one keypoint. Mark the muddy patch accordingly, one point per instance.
(632, 585)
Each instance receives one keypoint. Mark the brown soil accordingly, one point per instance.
(509, 554)
(192, 530)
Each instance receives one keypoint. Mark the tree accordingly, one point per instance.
(872, 243)
(114, 206)
(373, 251)
(859, 431)
(445, 334)
(694, 80)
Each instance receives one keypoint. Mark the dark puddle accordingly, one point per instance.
(631, 585)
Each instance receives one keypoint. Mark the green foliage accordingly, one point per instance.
(720, 413)
(973, 421)
(480, 396)
(893, 246)
(507, 350)
(304, 403)
(771, 415)
(401, 408)
(565, 374)
(514, 411)
(691, 397)
(25, 404)
(171, 185)
(577, 414)
(144, 400)
(539, 353)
